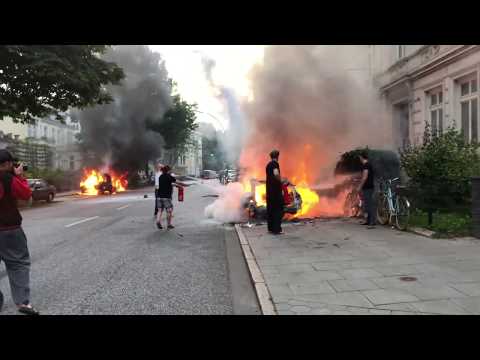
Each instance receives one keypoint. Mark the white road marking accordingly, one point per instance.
(82, 221)
(123, 207)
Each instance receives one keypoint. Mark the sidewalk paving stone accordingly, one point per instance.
(312, 288)
(336, 267)
(280, 290)
(345, 299)
(471, 289)
(300, 309)
(359, 273)
(294, 268)
(424, 292)
(353, 285)
(398, 270)
(388, 296)
(444, 307)
(470, 304)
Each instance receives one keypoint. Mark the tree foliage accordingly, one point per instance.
(213, 157)
(177, 124)
(440, 170)
(45, 80)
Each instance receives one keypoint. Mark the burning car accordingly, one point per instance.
(106, 185)
(255, 201)
(96, 183)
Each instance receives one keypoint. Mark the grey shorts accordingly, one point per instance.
(164, 204)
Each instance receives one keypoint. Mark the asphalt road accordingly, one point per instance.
(104, 255)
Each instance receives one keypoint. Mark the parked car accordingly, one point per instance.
(209, 174)
(42, 190)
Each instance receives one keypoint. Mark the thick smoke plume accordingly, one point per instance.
(116, 134)
(312, 103)
(232, 139)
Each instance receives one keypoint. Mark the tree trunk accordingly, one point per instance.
(430, 217)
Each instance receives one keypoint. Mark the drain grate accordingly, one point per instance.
(408, 278)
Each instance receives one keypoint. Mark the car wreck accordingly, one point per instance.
(255, 202)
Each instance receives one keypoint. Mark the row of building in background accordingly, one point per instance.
(434, 84)
(46, 144)
(52, 144)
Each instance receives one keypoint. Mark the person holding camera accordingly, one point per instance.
(13, 242)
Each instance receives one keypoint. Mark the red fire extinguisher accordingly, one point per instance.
(180, 193)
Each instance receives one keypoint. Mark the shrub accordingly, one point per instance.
(440, 170)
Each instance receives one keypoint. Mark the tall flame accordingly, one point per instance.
(302, 178)
(93, 178)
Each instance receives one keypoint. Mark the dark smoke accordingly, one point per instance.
(115, 134)
(312, 103)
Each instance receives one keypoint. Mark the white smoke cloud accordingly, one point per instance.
(228, 207)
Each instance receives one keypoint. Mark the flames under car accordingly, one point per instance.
(255, 201)
(103, 187)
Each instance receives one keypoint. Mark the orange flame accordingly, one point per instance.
(93, 178)
(302, 177)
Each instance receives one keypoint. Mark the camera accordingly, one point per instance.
(25, 167)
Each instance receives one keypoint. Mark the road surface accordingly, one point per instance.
(104, 255)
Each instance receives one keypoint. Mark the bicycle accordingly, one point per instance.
(391, 205)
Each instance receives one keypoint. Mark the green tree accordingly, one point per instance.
(213, 158)
(176, 126)
(440, 170)
(44, 80)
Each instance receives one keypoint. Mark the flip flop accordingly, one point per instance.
(28, 310)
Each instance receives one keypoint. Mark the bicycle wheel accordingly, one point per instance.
(403, 213)
(383, 212)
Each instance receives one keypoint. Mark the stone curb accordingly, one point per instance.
(422, 232)
(261, 289)
(67, 194)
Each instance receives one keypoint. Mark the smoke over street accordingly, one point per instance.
(115, 134)
(312, 103)
(307, 104)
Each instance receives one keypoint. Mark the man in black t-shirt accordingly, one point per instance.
(274, 195)
(166, 182)
(367, 188)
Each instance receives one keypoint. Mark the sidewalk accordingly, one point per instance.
(67, 193)
(340, 267)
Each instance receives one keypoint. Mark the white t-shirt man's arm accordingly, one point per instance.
(157, 175)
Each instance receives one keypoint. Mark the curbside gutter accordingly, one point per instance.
(261, 289)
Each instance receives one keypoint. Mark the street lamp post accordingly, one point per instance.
(219, 122)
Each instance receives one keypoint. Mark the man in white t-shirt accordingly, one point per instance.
(158, 172)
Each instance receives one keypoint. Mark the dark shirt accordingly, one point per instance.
(274, 186)
(369, 182)
(165, 187)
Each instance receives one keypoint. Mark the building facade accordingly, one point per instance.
(434, 84)
(16, 130)
(46, 136)
(188, 162)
